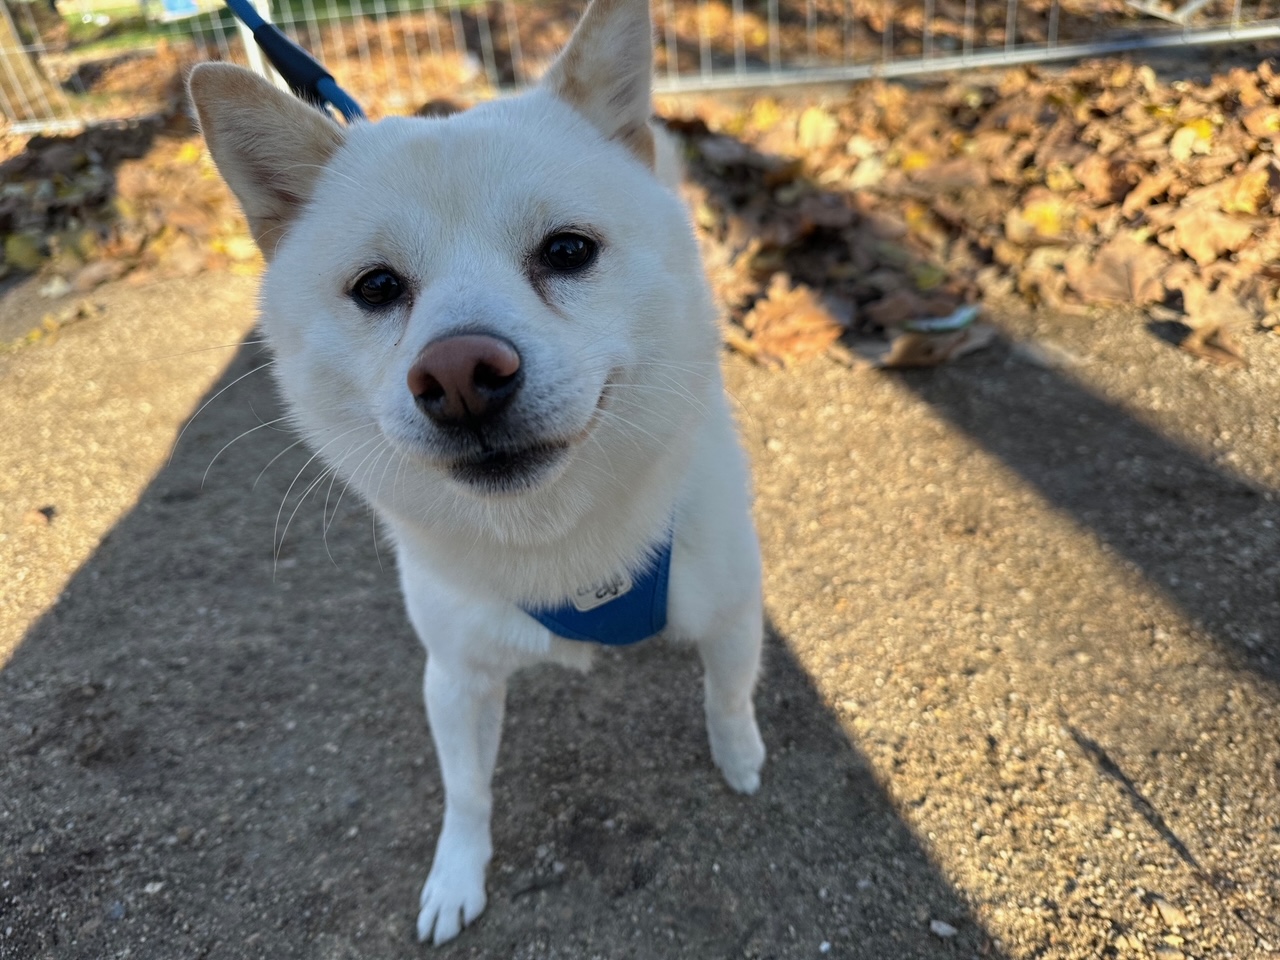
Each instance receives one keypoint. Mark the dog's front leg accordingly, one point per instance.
(464, 707)
(731, 660)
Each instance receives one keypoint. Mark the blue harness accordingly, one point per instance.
(617, 612)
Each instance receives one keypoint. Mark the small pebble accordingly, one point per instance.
(1046, 355)
(39, 517)
(1169, 913)
(116, 911)
(58, 286)
(940, 928)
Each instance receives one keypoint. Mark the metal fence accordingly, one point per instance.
(394, 55)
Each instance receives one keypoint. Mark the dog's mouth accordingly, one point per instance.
(515, 467)
(508, 470)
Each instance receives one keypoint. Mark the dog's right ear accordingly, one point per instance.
(269, 146)
(605, 72)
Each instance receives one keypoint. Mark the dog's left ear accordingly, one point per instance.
(606, 72)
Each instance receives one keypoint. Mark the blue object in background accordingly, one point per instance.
(178, 9)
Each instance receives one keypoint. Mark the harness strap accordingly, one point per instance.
(618, 612)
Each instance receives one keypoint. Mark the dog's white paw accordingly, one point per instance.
(452, 897)
(738, 750)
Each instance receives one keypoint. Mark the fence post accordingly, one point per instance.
(258, 63)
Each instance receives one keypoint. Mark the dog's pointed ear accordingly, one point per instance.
(269, 146)
(606, 72)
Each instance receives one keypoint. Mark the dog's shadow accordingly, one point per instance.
(223, 752)
(636, 840)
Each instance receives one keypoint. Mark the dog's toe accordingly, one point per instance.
(738, 751)
(742, 781)
(447, 905)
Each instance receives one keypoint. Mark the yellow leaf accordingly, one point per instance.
(817, 129)
(1120, 76)
(1190, 139)
(1203, 128)
(22, 250)
(765, 113)
(1059, 179)
(927, 277)
(915, 160)
(1045, 218)
(1246, 193)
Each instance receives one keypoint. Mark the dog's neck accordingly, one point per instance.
(628, 517)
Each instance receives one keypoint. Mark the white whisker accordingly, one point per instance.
(298, 506)
(273, 460)
(328, 518)
(205, 475)
(210, 400)
(189, 353)
(275, 538)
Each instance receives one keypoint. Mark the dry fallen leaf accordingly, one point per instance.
(1214, 316)
(1101, 179)
(788, 325)
(1215, 344)
(1205, 235)
(1247, 193)
(913, 349)
(1262, 121)
(1125, 270)
(1195, 138)
(1145, 190)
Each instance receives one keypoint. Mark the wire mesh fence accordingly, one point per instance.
(394, 55)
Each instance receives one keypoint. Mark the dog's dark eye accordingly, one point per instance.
(377, 288)
(568, 252)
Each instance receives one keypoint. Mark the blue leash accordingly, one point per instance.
(306, 78)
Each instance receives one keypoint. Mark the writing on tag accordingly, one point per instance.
(597, 595)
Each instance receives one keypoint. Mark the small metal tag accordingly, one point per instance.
(597, 595)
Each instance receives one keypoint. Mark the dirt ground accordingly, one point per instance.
(1020, 691)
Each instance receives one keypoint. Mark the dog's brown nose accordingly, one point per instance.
(465, 380)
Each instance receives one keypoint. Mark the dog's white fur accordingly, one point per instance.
(621, 361)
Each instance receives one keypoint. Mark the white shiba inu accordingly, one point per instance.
(496, 326)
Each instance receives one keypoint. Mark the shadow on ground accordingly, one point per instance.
(1206, 535)
(1203, 532)
(212, 762)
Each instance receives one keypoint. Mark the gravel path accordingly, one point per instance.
(1021, 690)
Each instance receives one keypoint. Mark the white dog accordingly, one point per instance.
(496, 327)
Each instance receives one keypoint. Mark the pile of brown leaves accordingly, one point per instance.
(141, 200)
(1097, 186)
(891, 211)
